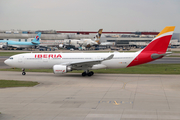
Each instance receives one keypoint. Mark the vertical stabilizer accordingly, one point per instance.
(98, 36)
(161, 41)
(36, 40)
(156, 49)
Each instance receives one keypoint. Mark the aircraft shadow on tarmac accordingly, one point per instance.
(78, 75)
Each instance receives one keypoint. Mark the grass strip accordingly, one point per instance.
(14, 83)
(14, 53)
(10, 53)
(28, 70)
(175, 51)
(141, 69)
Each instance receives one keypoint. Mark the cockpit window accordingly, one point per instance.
(11, 58)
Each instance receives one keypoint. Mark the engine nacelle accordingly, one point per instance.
(60, 69)
(1, 46)
(61, 45)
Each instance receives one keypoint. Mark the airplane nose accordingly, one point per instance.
(6, 62)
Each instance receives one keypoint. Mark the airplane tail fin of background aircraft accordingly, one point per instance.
(161, 41)
(98, 36)
(156, 49)
(37, 38)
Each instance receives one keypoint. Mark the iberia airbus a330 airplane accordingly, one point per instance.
(65, 62)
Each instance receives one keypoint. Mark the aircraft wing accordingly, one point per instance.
(88, 63)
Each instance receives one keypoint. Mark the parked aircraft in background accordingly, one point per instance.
(65, 62)
(107, 43)
(13, 44)
(82, 43)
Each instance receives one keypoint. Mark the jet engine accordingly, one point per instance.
(2, 46)
(60, 69)
(61, 45)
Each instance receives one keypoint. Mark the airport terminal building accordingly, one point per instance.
(119, 39)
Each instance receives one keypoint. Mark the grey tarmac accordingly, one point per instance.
(102, 96)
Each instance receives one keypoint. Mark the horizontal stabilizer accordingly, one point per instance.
(156, 56)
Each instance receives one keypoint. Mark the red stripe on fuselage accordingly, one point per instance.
(142, 58)
(158, 46)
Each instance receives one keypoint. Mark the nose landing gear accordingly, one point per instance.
(23, 71)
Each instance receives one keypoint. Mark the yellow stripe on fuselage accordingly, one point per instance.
(166, 29)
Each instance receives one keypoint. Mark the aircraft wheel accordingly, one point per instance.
(23, 73)
(90, 73)
(84, 74)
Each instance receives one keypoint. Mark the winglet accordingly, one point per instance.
(110, 57)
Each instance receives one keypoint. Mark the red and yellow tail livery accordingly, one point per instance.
(156, 48)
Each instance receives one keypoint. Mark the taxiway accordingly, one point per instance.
(103, 96)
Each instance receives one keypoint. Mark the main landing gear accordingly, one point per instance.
(88, 73)
(23, 71)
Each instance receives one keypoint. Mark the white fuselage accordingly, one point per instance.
(48, 60)
(80, 43)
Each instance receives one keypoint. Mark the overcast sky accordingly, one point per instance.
(111, 15)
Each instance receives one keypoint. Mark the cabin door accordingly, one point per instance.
(20, 59)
